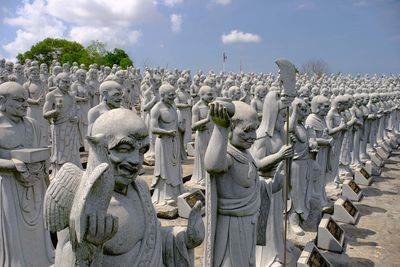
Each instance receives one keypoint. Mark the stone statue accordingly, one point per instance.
(37, 91)
(366, 129)
(19, 74)
(167, 181)
(44, 72)
(300, 170)
(51, 81)
(182, 102)
(61, 110)
(258, 101)
(104, 216)
(358, 114)
(80, 90)
(202, 125)
(336, 127)
(318, 128)
(111, 93)
(23, 239)
(233, 189)
(269, 151)
(93, 82)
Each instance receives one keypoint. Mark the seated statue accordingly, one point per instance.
(105, 216)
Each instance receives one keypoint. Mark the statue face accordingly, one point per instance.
(113, 97)
(16, 105)
(168, 97)
(9, 67)
(34, 74)
(127, 158)
(43, 68)
(244, 134)
(64, 84)
(324, 108)
(81, 76)
(208, 96)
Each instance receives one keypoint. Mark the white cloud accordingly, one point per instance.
(236, 36)
(120, 38)
(103, 12)
(176, 22)
(34, 25)
(223, 2)
(172, 3)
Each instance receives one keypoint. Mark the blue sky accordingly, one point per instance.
(352, 36)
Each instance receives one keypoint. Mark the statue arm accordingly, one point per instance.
(150, 104)
(48, 111)
(197, 123)
(155, 127)
(264, 163)
(216, 159)
(7, 165)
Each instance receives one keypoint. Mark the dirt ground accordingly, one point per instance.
(373, 241)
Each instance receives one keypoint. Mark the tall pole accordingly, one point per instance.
(286, 188)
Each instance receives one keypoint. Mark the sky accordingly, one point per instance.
(352, 36)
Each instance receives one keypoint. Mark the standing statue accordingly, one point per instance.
(318, 128)
(23, 239)
(233, 189)
(366, 129)
(61, 110)
(104, 216)
(358, 126)
(182, 102)
(258, 101)
(202, 125)
(37, 91)
(167, 181)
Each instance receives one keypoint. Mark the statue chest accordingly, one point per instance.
(203, 111)
(36, 91)
(168, 116)
(131, 223)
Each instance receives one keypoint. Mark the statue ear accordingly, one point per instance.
(95, 139)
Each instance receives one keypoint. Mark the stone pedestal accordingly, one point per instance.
(186, 202)
(372, 168)
(330, 235)
(375, 158)
(382, 153)
(351, 190)
(362, 177)
(345, 211)
(311, 257)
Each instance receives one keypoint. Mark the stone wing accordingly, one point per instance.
(59, 197)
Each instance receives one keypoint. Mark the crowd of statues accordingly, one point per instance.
(248, 131)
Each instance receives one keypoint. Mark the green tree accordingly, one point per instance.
(66, 51)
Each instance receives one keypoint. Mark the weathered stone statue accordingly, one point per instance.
(23, 238)
(37, 91)
(44, 72)
(167, 181)
(318, 128)
(300, 170)
(80, 90)
(51, 81)
(111, 93)
(358, 114)
(61, 110)
(258, 101)
(93, 82)
(104, 216)
(366, 129)
(336, 127)
(269, 152)
(233, 189)
(182, 102)
(203, 126)
(19, 74)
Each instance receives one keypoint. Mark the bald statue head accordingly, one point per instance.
(244, 125)
(320, 105)
(13, 100)
(126, 138)
(112, 93)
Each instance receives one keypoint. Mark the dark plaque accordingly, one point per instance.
(192, 198)
(365, 173)
(350, 208)
(334, 229)
(354, 187)
(316, 259)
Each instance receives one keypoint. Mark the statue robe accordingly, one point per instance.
(234, 242)
(24, 242)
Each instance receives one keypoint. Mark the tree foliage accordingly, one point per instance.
(315, 66)
(66, 51)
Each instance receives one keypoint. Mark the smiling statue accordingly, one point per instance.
(104, 216)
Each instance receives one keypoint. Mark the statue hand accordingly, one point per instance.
(286, 151)
(195, 231)
(219, 115)
(101, 228)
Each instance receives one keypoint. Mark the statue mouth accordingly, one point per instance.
(127, 170)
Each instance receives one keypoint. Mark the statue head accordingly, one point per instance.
(320, 105)
(234, 93)
(43, 68)
(80, 75)
(13, 100)
(120, 76)
(18, 69)
(56, 70)
(92, 74)
(33, 73)
(63, 82)
(302, 108)
(66, 67)
(207, 94)
(260, 91)
(167, 93)
(9, 66)
(181, 83)
(112, 93)
(244, 124)
(126, 139)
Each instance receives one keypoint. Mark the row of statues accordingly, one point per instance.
(248, 131)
